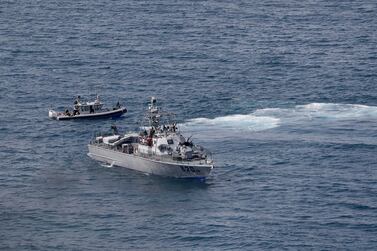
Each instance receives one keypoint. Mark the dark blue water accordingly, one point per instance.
(283, 92)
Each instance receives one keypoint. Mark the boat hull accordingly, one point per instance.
(106, 114)
(149, 166)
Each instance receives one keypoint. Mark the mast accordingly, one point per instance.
(153, 114)
(157, 119)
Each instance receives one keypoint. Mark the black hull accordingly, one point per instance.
(107, 114)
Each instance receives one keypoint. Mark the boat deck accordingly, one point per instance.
(159, 158)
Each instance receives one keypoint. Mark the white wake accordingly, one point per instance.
(322, 111)
(248, 122)
(270, 118)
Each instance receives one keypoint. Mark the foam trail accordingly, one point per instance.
(108, 165)
(247, 122)
(231, 126)
(318, 111)
(340, 111)
(309, 115)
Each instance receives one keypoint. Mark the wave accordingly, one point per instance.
(238, 121)
(270, 118)
(322, 111)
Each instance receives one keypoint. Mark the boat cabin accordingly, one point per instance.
(89, 107)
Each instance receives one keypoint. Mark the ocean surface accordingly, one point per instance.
(284, 93)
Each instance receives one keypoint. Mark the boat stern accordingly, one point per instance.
(52, 114)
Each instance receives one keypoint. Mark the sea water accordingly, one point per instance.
(282, 92)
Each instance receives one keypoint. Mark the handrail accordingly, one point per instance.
(207, 160)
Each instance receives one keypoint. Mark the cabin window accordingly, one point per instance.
(170, 141)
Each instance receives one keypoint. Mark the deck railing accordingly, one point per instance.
(207, 159)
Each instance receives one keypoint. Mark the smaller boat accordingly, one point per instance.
(88, 110)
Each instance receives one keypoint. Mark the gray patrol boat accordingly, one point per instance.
(159, 148)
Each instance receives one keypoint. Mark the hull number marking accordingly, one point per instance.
(189, 169)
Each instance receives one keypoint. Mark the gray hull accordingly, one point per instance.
(145, 165)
